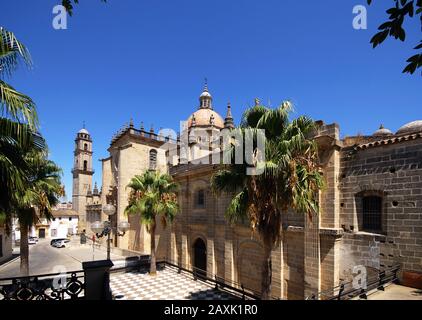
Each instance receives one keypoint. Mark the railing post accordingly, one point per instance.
(395, 270)
(243, 291)
(97, 279)
(363, 295)
(340, 291)
(381, 276)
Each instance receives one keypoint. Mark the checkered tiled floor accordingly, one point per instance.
(166, 285)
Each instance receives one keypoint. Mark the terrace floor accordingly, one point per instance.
(168, 284)
(396, 292)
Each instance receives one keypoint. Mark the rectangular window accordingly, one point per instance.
(372, 213)
(153, 159)
(200, 199)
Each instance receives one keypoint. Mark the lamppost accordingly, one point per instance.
(105, 228)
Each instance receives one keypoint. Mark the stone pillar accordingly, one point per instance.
(277, 287)
(210, 258)
(97, 279)
(211, 263)
(330, 212)
(229, 255)
(312, 267)
(122, 197)
(185, 251)
(173, 248)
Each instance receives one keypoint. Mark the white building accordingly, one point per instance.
(64, 223)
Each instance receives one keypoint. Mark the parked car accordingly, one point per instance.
(59, 242)
(34, 238)
(31, 240)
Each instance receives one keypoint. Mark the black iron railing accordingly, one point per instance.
(55, 286)
(347, 290)
(219, 283)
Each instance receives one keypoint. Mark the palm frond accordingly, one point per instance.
(238, 207)
(12, 51)
(17, 106)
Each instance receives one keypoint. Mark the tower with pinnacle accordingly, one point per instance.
(82, 174)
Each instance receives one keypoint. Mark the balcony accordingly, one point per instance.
(93, 207)
(83, 170)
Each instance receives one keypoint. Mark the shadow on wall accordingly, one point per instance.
(359, 252)
(250, 261)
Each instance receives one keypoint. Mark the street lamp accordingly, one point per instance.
(105, 228)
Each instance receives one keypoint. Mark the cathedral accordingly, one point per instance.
(370, 209)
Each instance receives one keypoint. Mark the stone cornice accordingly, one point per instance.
(331, 232)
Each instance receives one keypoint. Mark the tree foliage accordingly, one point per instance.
(290, 178)
(68, 5)
(18, 123)
(152, 197)
(402, 10)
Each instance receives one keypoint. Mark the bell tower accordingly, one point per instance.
(82, 174)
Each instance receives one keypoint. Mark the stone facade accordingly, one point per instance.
(6, 248)
(391, 169)
(370, 209)
(82, 175)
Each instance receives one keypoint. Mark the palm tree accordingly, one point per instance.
(41, 193)
(18, 123)
(153, 195)
(290, 178)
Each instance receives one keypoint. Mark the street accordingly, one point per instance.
(44, 259)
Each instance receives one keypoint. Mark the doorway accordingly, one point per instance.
(41, 233)
(200, 258)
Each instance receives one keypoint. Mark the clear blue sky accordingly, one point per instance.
(147, 60)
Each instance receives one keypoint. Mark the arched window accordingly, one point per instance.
(152, 159)
(372, 213)
(85, 165)
(85, 146)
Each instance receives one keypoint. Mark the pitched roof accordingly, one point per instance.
(64, 213)
(389, 140)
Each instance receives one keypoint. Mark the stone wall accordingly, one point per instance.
(294, 264)
(132, 158)
(233, 252)
(395, 172)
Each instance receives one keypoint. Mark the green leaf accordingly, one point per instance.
(415, 62)
(379, 38)
(385, 25)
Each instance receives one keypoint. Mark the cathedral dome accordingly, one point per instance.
(411, 127)
(382, 132)
(206, 118)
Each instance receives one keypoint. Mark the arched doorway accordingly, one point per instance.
(200, 257)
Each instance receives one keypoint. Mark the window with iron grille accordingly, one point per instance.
(372, 213)
(153, 159)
